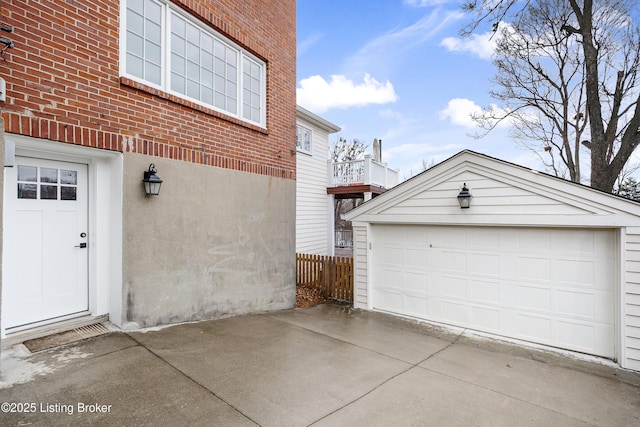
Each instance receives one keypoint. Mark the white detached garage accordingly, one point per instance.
(534, 257)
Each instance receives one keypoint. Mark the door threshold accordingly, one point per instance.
(13, 338)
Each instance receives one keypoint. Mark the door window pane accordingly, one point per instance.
(27, 173)
(68, 177)
(27, 191)
(67, 193)
(49, 192)
(49, 175)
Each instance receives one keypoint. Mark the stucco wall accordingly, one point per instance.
(214, 243)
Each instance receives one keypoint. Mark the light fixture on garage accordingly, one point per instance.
(464, 197)
(152, 182)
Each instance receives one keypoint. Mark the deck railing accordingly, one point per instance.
(362, 172)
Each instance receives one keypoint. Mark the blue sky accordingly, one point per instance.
(397, 70)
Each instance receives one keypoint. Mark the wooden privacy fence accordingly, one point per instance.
(331, 275)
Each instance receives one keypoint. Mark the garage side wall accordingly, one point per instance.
(631, 329)
(214, 243)
(360, 252)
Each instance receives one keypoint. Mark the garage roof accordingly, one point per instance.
(503, 193)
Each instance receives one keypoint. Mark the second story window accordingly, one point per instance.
(303, 139)
(168, 49)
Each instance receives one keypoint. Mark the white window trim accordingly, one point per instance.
(169, 8)
(301, 148)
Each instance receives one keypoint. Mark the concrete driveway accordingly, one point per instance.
(327, 365)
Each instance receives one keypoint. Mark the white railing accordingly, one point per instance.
(344, 238)
(366, 172)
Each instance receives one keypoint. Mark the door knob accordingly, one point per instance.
(81, 245)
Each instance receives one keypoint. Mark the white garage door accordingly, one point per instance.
(549, 286)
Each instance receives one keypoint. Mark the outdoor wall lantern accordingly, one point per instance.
(464, 197)
(152, 182)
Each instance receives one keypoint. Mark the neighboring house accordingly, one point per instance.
(534, 257)
(314, 207)
(98, 91)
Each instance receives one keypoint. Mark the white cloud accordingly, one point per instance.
(306, 44)
(459, 112)
(387, 51)
(481, 45)
(318, 95)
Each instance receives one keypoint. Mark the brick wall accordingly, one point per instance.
(63, 84)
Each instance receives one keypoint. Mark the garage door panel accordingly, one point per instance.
(577, 272)
(416, 258)
(453, 261)
(532, 241)
(392, 255)
(534, 328)
(549, 286)
(484, 264)
(485, 291)
(530, 268)
(571, 303)
(454, 313)
(487, 318)
(415, 282)
(453, 287)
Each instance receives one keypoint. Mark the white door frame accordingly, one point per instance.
(105, 169)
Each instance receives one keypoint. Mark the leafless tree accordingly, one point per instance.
(568, 75)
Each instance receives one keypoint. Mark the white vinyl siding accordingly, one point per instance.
(312, 201)
(360, 251)
(632, 299)
(170, 50)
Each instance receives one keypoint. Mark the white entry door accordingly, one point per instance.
(45, 271)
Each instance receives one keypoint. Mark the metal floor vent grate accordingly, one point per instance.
(62, 338)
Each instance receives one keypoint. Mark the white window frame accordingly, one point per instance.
(165, 84)
(300, 144)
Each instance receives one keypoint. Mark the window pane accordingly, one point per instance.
(135, 22)
(153, 31)
(67, 193)
(27, 173)
(153, 52)
(48, 175)
(178, 64)
(49, 192)
(206, 78)
(193, 89)
(220, 100)
(178, 26)
(193, 71)
(206, 43)
(68, 177)
(220, 83)
(206, 60)
(178, 45)
(207, 96)
(135, 44)
(193, 34)
(152, 73)
(152, 10)
(193, 52)
(27, 191)
(136, 6)
(231, 88)
(178, 83)
(135, 65)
